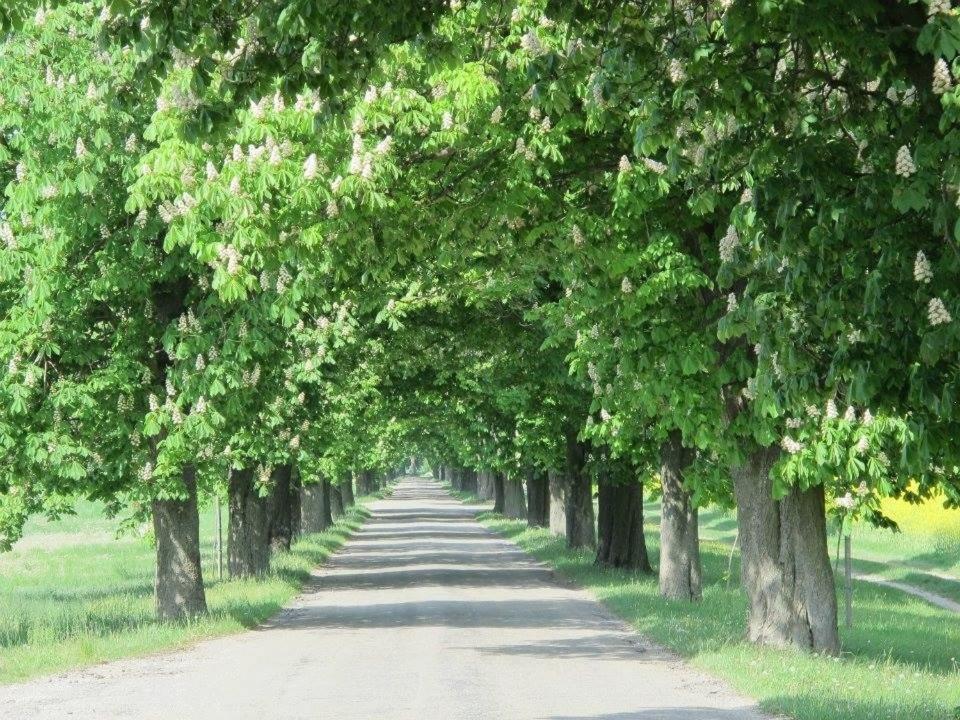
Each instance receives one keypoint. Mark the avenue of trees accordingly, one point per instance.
(565, 250)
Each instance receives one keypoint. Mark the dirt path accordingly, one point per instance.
(424, 615)
(933, 598)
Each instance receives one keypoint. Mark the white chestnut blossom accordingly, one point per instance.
(497, 115)
(310, 167)
(729, 244)
(655, 166)
(938, 7)
(791, 445)
(942, 81)
(531, 44)
(577, 235)
(831, 412)
(626, 286)
(446, 122)
(937, 312)
(921, 268)
(846, 502)
(624, 165)
(7, 236)
(904, 165)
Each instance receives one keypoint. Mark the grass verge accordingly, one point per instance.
(72, 603)
(901, 660)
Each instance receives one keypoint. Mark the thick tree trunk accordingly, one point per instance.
(498, 493)
(485, 489)
(336, 501)
(579, 496)
(178, 585)
(346, 491)
(514, 503)
(456, 478)
(469, 481)
(248, 532)
(314, 508)
(785, 566)
(558, 502)
(620, 542)
(435, 471)
(680, 571)
(538, 498)
(281, 509)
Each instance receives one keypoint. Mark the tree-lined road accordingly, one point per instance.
(424, 614)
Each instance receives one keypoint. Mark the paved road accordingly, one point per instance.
(424, 615)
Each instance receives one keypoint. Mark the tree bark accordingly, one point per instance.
(295, 514)
(621, 543)
(680, 570)
(558, 502)
(365, 484)
(314, 508)
(248, 532)
(498, 493)
(538, 498)
(485, 489)
(281, 509)
(346, 490)
(514, 502)
(178, 584)
(579, 496)
(336, 501)
(785, 566)
(456, 478)
(469, 481)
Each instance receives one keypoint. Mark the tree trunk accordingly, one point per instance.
(621, 543)
(514, 503)
(295, 514)
(347, 491)
(485, 489)
(538, 498)
(435, 471)
(579, 496)
(680, 571)
(281, 509)
(248, 532)
(469, 481)
(336, 502)
(456, 478)
(365, 482)
(558, 502)
(785, 566)
(498, 493)
(178, 585)
(314, 508)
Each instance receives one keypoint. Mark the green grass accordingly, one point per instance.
(915, 558)
(73, 595)
(901, 661)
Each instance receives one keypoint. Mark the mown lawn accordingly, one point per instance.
(901, 660)
(925, 553)
(74, 595)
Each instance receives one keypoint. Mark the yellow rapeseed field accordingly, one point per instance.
(928, 518)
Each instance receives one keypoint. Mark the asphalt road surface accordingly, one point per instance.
(423, 615)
